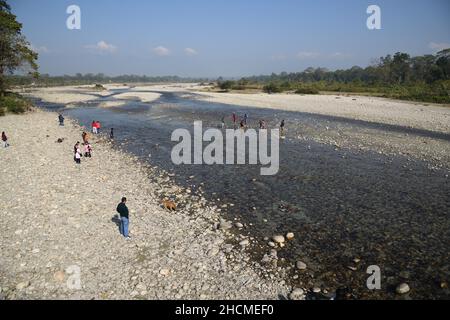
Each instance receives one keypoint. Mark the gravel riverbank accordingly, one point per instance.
(58, 218)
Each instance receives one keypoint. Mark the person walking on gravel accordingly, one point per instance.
(5, 140)
(87, 150)
(122, 209)
(78, 156)
(85, 137)
(94, 127)
(77, 153)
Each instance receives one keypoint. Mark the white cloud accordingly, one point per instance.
(304, 55)
(161, 51)
(278, 57)
(340, 55)
(102, 47)
(190, 52)
(436, 47)
(41, 49)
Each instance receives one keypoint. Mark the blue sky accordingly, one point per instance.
(230, 38)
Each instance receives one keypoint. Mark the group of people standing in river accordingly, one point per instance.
(243, 123)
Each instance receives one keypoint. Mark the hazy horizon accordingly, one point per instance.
(206, 39)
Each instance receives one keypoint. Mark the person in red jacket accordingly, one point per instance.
(94, 127)
(99, 126)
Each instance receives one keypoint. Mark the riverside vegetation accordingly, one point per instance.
(422, 78)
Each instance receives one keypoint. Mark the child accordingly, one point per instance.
(78, 156)
(94, 127)
(87, 150)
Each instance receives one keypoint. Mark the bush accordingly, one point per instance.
(13, 103)
(226, 85)
(99, 87)
(272, 88)
(306, 91)
(2, 111)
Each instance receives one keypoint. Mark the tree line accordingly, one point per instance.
(422, 78)
(90, 78)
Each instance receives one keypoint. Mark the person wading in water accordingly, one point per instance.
(282, 128)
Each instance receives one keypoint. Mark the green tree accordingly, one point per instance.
(443, 62)
(15, 51)
(400, 67)
(226, 85)
(272, 88)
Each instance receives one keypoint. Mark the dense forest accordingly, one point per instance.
(89, 78)
(400, 76)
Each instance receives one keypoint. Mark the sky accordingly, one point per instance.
(229, 38)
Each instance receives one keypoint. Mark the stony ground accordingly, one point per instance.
(375, 110)
(58, 221)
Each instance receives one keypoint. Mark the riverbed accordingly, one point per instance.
(350, 199)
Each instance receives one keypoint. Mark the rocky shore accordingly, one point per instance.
(60, 238)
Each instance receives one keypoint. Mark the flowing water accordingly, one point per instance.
(389, 211)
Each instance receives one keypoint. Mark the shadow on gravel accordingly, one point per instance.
(116, 220)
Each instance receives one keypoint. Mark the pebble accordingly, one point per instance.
(278, 239)
(244, 243)
(164, 272)
(300, 265)
(225, 225)
(239, 225)
(22, 285)
(297, 294)
(403, 288)
(59, 276)
(290, 236)
(214, 251)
